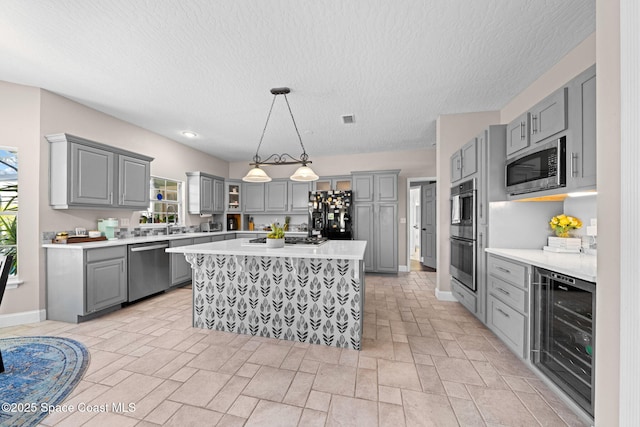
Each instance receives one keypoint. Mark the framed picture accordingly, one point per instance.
(80, 231)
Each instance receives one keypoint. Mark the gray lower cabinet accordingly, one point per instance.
(82, 282)
(364, 230)
(464, 296)
(106, 278)
(508, 302)
(377, 224)
(88, 174)
(180, 268)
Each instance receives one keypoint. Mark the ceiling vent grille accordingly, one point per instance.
(348, 119)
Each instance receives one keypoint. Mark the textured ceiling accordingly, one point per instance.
(207, 66)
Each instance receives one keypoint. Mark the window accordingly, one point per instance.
(165, 206)
(9, 205)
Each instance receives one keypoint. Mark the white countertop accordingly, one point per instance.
(333, 249)
(577, 265)
(157, 238)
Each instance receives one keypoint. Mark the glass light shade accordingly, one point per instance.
(304, 173)
(256, 175)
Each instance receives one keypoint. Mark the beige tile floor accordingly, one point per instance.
(423, 362)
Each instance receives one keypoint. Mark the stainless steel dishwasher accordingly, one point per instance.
(148, 269)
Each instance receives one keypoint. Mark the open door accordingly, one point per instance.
(428, 225)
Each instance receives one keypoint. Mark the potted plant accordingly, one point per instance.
(275, 238)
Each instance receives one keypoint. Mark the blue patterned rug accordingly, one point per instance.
(39, 373)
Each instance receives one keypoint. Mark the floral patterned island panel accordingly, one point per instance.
(313, 300)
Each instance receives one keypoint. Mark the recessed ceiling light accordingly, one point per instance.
(189, 134)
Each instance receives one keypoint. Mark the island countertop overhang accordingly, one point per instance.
(332, 249)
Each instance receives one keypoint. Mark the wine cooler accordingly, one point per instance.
(563, 333)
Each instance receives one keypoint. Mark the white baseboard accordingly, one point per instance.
(404, 268)
(15, 319)
(445, 295)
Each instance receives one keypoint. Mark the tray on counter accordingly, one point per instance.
(78, 239)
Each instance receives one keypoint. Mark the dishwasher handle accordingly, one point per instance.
(149, 248)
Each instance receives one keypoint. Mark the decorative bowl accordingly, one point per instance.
(275, 243)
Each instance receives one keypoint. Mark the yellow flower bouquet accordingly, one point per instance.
(562, 224)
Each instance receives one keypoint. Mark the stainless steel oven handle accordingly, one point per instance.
(149, 248)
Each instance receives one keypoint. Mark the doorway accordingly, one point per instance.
(421, 224)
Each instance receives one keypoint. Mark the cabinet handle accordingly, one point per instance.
(504, 270)
(564, 288)
(503, 313)
(534, 124)
(522, 133)
(111, 198)
(481, 211)
(480, 239)
(460, 294)
(503, 291)
(574, 164)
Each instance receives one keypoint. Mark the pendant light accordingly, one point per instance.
(303, 173)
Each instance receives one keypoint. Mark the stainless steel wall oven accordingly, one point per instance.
(463, 233)
(563, 333)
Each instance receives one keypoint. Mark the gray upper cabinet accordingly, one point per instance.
(276, 196)
(326, 183)
(88, 174)
(545, 119)
(386, 187)
(218, 195)
(91, 175)
(362, 188)
(205, 193)
(518, 134)
(464, 162)
(133, 180)
(375, 186)
(299, 196)
(456, 166)
(582, 147)
(253, 196)
(549, 116)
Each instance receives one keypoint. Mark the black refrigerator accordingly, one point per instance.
(330, 214)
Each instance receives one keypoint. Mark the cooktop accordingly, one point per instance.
(295, 240)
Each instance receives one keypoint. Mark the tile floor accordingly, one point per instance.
(423, 362)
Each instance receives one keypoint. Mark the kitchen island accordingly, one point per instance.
(303, 293)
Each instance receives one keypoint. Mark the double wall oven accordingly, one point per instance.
(463, 233)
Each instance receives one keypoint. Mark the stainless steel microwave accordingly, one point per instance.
(542, 169)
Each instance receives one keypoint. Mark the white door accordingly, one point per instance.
(428, 226)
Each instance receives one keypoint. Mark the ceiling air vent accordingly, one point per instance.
(348, 119)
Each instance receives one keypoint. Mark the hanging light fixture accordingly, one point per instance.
(303, 173)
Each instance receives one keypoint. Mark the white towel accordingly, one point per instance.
(455, 210)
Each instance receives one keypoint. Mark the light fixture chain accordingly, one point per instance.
(256, 158)
(304, 156)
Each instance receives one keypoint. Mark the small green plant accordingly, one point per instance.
(277, 232)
